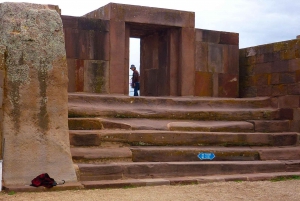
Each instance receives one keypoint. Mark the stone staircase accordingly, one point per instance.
(119, 141)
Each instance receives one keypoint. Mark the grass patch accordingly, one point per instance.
(128, 186)
(285, 178)
(11, 193)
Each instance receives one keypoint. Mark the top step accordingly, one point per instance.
(189, 102)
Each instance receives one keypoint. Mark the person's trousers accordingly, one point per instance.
(136, 88)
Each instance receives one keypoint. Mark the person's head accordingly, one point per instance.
(132, 67)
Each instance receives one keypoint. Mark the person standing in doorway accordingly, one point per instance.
(135, 82)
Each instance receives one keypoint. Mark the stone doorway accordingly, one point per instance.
(159, 53)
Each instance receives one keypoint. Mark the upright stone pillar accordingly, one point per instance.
(35, 119)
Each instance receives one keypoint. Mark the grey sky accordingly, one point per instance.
(257, 21)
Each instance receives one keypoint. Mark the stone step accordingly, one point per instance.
(156, 112)
(177, 125)
(91, 105)
(101, 155)
(181, 138)
(127, 183)
(203, 102)
(130, 183)
(147, 170)
(173, 125)
(168, 154)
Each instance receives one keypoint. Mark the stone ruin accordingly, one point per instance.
(45, 55)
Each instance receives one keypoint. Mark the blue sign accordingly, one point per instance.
(206, 156)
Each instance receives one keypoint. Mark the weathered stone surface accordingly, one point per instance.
(215, 58)
(201, 57)
(96, 75)
(203, 84)
(71, 75)
(35, 124)
(228, 85)
(271, 126)
(140, 14)
(229, 38)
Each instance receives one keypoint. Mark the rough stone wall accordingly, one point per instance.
(273, 70)
(35, 118)
(217, 65)
(87, 47)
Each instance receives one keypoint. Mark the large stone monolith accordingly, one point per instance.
(35, 111)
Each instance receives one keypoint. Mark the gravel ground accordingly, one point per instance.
(232, 191)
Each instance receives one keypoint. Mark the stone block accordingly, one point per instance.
(69, 22)
(265, 49)
(262, 68)
(229, 38)
(198, 35)
(262, 79)
(264, 90)
(230, 59)
(71, 38)
(79, 75)
(289, 101)
(279, 90)
(294, 89)
(203, 84)
(174, 62)
(296, 114)
(248, 91)
(294, 65)
(150, 82)
(85, 44)
(96, 76)
(268, 57)
(71, 75)
(201, 57)
(297, 76)
(117, 55)
(35, 108)
(295, 126)
(247, 81)
(211, 36)
(100, 45)
(280, 66)
(187, 66)
(293, 44)
(286, 113)
(93, 24)
(275, 78)
(272, 126)
(246, 70)
(280, 46)
(287, 54)
(287, 78)
(259, 58)
(242, 53)
(228, 85)
(251, 51)
(215, 58)
(150, 15)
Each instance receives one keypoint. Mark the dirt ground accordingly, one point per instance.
(232, 191)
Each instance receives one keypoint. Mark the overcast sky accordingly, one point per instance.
(257, 21)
